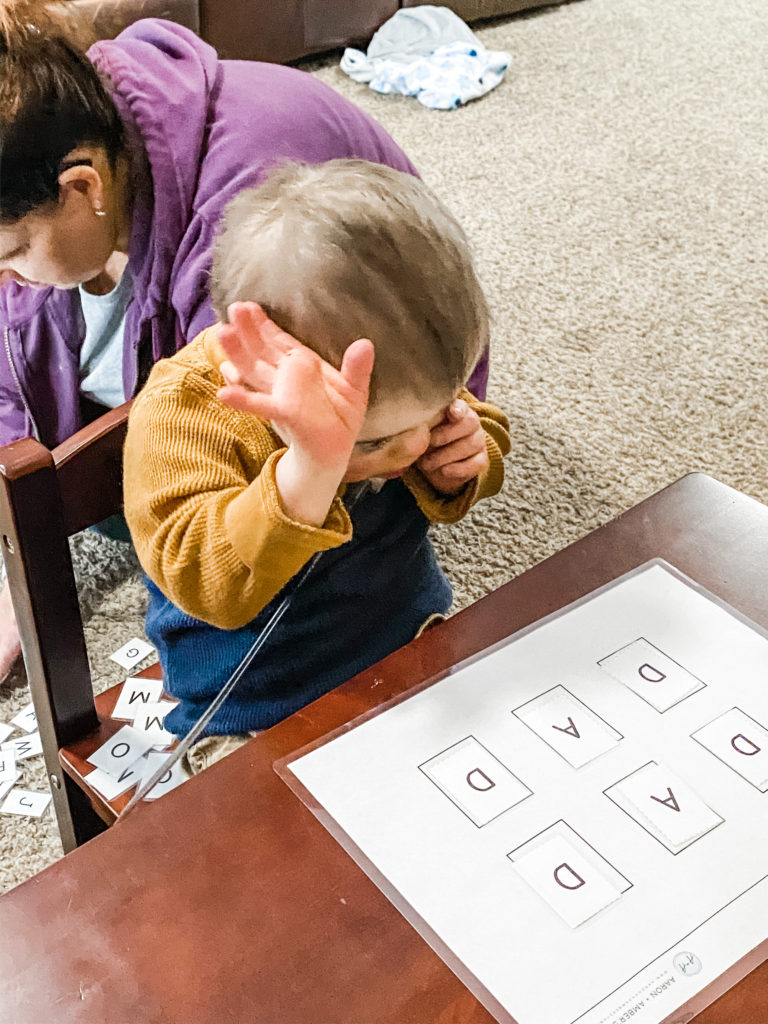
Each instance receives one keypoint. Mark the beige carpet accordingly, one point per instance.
(614, 187)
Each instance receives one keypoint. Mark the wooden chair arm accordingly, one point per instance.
(89, 468)
(22, 457)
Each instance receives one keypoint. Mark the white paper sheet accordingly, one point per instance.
(603, 877)
(8, 770)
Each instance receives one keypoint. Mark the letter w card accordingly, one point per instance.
(135, 696)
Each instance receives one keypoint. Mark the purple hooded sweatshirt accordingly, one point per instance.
(201, 129)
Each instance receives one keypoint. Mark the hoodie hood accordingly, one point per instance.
(157, 66)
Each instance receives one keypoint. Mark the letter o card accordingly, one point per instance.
(121, 751)
(477, 782)
(172, 778)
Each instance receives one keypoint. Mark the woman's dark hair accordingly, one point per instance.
(51, 101)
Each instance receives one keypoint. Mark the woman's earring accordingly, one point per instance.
(99, 212)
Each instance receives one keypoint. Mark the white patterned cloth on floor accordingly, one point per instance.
(430, 53)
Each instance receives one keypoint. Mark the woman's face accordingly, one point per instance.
(65, 243)
(64, 247)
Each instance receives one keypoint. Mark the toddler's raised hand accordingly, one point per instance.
(457, 452)
(316, 409)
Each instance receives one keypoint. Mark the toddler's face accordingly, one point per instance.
(396, 433)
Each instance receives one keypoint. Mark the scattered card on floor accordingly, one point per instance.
(24, 801)
(26, 719)
(8, 770)
(132, 653)
(24, 746)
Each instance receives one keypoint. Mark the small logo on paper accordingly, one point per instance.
(687, 963)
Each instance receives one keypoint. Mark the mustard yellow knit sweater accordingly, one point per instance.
(201, 500)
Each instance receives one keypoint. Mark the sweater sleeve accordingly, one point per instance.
(450, 508)
(203, 507)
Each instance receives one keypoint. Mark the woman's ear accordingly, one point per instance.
(86, 181)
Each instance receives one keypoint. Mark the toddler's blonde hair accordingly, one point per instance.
(350, 249)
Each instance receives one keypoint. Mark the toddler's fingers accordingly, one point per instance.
(459, 473)
(457, 410)
(259, 376)
(230, 372)
(246, 315)
(457, 424)
(275, 337)
(245, 320)
(250, 325)
(251, 315)
(253, 402)
(357, 365)
(456, 451)
(234, 343)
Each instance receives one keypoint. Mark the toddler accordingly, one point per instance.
(325, 413)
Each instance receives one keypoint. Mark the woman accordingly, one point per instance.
(115, 168)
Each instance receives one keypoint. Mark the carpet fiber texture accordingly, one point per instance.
(613, 188)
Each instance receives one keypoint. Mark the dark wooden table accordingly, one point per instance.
(227, 901)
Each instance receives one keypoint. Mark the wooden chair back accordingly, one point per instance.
(46, 496)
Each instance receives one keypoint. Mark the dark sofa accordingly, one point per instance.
(277, 30)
